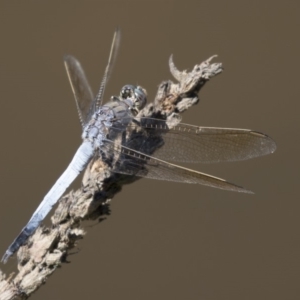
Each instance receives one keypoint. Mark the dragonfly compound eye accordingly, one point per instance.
(140, 98)
(127, 91)
(137, 96)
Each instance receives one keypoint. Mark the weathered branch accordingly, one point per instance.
(48, 248)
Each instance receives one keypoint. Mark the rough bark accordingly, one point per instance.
(48, 248)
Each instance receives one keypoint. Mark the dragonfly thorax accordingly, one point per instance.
(97, 128)
(117, 113)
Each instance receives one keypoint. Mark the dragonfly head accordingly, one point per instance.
(136, 96)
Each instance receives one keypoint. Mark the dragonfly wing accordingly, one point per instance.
(111, 61)
(188, 143)
(131, 162)
(80, 87)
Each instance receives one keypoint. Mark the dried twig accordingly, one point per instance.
(49, 247)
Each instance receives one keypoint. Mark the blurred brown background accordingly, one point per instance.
(163, 240)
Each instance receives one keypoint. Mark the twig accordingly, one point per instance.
(49, 247)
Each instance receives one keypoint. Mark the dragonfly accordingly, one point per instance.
(141, 146)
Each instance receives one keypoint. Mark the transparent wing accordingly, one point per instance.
(130, 162)
(188, 143)
(111, 61)
(86, 103)
(80, 87)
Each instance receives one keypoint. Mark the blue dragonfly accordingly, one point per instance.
(141, 146)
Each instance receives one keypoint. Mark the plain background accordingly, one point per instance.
(163, 240)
